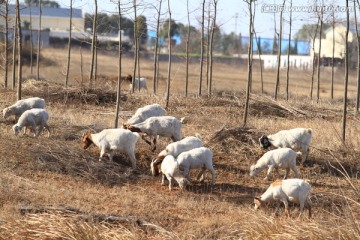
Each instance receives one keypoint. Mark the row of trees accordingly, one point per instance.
(317, 32)
(207, 38)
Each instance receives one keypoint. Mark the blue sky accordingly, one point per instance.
(265, 18)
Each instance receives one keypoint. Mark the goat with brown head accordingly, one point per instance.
(87, 140)
(132, 128)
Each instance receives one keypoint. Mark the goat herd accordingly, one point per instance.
(176, 160)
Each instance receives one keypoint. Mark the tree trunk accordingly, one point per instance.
(38, 44)
(14, 55)
(187, 51)
(93, 43)
(333, 55)
(169, 64)
(69, 48)
(118, 95)
(202, 47)
(19, 42)
(346, 78)
(135, 47)
(279, 54)
(96, 61)
(6, 60)
(208, 47)
(138, 58)
(81, 65)
(319, 61)
(31, 42)
(213, 28)
(288, 56)
(261, 66)
(247, 99)
(358, 63)
(314, 58)
(156, 55)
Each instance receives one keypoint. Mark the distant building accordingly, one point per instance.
(266, 45)
(327, 44)
(300, 62)
(53, 21)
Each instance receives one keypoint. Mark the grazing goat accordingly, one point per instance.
(296, 139)
(174, 149)
(170, 169)
(277, 158)
(139, 83)
(21, 106)
(293, 190)
(165, 126)
(197, 158)
(35, 118)
(110, 140)
(145, 112)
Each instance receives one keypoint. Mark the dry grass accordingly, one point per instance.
(109, 201)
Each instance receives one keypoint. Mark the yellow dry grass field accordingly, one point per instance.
(52, 188)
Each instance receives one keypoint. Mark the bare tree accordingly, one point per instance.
(14, 54)
(346, 78)
(208, 45)
(93, 44)
(119, 71)
(314, 59)
(358, 59)
(38, 43)
(135, 47)
(279, 53)
(81, 65)
(187, 50)
(321, 16)
(247, 99)
(31, 42)
(169, 65)
(333, 55)
(96, 60)
(138, 50)
(6, 57)
(69, 47)
(19, 43)
(213, 29)
(252, 39)
(202, 46)
(288, 56)
(156, 54)
(260, 61)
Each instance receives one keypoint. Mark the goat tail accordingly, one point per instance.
(198, 136)
(307, 181)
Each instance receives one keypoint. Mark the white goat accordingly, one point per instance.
(35, 118)
(166, 126)
(277, 158)
(197, 158)
(170, 169)
(110, 140)
(145, 112)
(174, 149)
(139, 83)
(296, 139)
(293, 190)
(22, 105)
